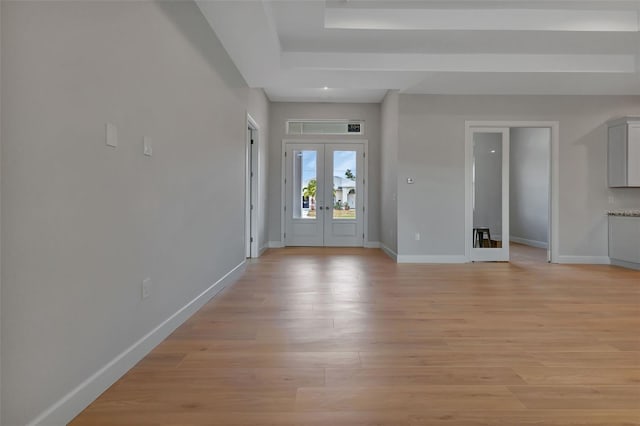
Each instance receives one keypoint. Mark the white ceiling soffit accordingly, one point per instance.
(465, 63)
(481, 19)
(359, 49)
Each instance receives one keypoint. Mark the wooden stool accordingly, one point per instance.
(479, 234)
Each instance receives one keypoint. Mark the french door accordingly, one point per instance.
(324, 194)
(488, 221)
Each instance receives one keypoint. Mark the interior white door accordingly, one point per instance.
(344, 184)
(304, 190)
(489, 194)
(324, 194)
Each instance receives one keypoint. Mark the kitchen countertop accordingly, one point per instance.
(628, 213)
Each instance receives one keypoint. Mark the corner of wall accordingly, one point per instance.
(1, 50)
(389, 129)
(259, 108)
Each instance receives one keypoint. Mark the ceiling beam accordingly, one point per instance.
(481, 19)
(247, 31)
(460, 62)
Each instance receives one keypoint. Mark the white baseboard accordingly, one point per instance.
(263, 249)
(368, 244)
(585, 260)
(392, 254)
(625, 264)
(407, 258)
(526, 242)
(63, 411)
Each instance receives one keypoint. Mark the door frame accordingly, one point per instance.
(252, 189)
(283, 174)
(554, 172)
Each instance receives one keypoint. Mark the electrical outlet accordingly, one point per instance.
(146, 288)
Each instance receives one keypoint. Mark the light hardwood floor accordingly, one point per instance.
(347, 337)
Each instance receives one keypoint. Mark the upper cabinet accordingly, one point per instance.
(624, 152)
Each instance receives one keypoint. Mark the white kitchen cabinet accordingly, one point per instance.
(624, 152)
(624, 241)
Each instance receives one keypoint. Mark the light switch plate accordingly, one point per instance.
(147, 149)
(146, 288)
(112, 135)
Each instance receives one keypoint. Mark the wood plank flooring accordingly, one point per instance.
(346, 337)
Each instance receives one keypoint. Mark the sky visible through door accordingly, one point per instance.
(343, 160)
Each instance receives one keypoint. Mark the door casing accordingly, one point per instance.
(252, 189)
(554, 170)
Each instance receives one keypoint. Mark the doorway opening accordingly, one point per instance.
(324, 193)
(529, 193)
(252, 188)
(511, 191)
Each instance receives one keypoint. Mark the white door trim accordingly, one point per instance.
(283, 175)
(554, 170)
(252, 168)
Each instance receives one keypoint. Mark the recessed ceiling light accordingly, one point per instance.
(325, 88)
(493, 151)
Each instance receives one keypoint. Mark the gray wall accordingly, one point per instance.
(83, 224)
(280, 112)
(389, 171)
(432, 151)
(529, 188)
(487, 210)
(259, 109)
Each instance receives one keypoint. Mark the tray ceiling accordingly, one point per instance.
(356, 50)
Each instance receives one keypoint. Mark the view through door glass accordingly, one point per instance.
(305, 184)
(487, 190)
(344, 185)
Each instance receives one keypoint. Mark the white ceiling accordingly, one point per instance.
(359, 49)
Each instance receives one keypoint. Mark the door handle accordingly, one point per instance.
(326, 208)
(320, 207)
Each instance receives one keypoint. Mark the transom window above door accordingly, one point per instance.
(325, 127)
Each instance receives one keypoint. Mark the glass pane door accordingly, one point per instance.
(305, 184)
(344, 218)
(344, 176)
(304, 189)
(324, 194)
(490, 194)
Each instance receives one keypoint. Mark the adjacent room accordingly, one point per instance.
(527, 164)
(530, 193)
(319, 212)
